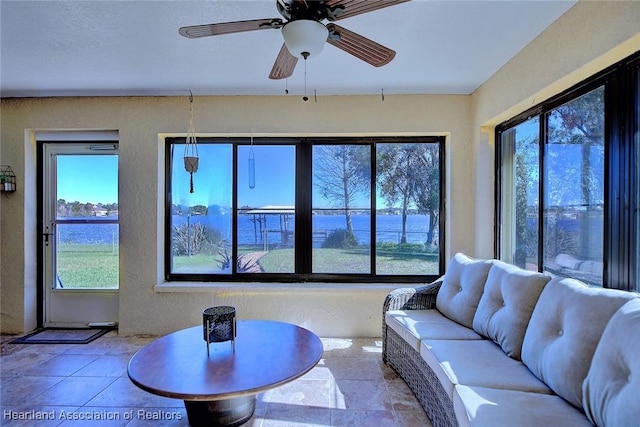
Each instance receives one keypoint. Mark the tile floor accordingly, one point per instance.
(87, 385)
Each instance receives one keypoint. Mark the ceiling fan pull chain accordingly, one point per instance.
(305, 98)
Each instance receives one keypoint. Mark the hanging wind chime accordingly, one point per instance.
(191, 147)
(252, 166)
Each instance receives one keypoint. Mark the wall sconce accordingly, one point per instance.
(7, 179)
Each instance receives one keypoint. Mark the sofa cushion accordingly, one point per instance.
(415, 325)
(505, 307)
(490, 407)
(565, 328)
(610, 391)
(462, 288)
(477, 363)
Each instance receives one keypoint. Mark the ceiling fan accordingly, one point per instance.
(304, 33)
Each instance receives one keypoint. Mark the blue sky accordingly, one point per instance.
(275, 177)
(94, 178)
(88, 178)
(563, 167)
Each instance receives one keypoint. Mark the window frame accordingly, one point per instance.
(303, 208)
(621, 110)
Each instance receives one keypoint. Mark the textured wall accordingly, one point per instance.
(148, 306)
(591, 36)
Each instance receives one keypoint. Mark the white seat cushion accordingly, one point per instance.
(611, 391)
(489, 407)
(416, 325)
(462, 288)
(477, 363)
(505, 308)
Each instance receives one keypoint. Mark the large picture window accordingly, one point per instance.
(341, 203)
(573, 210)
(312, 209)
(567, 182)
(520, 193)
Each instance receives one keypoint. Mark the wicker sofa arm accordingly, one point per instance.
(420, 298)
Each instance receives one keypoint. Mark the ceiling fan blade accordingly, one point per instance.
(359, 46)
(206, 30)
(284, 65)
(357, 7)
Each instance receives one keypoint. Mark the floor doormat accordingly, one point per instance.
(62, 336)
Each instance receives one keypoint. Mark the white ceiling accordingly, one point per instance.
(69, 48)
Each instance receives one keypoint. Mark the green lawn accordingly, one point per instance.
(407, 264)
(88, 266)
(96, 266)
(278, 261)
(353, 261)
(324, 261)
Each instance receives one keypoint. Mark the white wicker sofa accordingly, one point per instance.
(490, 344)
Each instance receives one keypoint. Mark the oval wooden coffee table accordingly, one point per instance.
(220, 389)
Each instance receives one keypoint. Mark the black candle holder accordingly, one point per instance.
(219, 325)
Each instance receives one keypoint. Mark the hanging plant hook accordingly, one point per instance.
(191, 159)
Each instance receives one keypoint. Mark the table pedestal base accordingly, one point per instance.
(227, 412)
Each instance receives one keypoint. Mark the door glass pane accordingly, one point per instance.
(86, 228)
(201, 221)
(574, 189)
(407, 208)
(87, 187)
(87, 256)
(266, 209)
(341, 204)
(520, 189)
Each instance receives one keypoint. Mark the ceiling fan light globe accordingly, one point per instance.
(304, 38)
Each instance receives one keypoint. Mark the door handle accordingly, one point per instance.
(46, 235)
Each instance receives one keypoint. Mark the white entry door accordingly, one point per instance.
(81, 234)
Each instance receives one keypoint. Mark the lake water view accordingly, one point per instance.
(388, 229)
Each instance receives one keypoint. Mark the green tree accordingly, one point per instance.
(579, 122)
(341, 172)
(428, 189)
(198, 210)
(527, 178)
(408, 175)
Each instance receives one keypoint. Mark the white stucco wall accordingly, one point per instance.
(591, 36)
(146, 304)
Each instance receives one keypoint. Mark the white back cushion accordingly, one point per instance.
(462, 288)
(563, 333)
(611, 391)
(505, 307)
